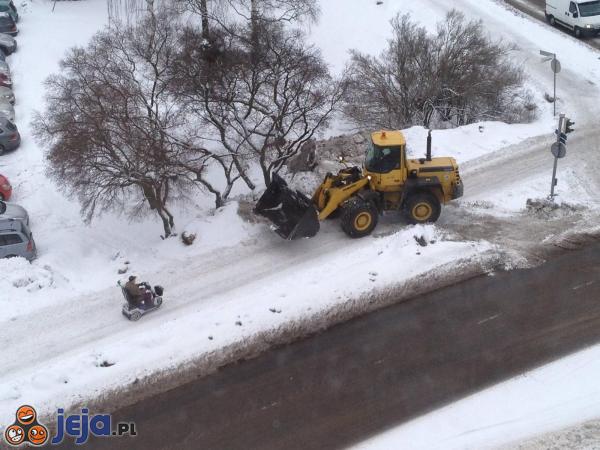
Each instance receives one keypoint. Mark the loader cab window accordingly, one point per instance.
(589, 9)
(382, 159)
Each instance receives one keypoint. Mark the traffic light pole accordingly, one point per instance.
(560, 130)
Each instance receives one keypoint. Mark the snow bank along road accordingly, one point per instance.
(364, 376)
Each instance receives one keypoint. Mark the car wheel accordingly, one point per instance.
(2, 197)
(578, 33)
(2, 150)
(135, 316)
(552, 21)
(423, 208)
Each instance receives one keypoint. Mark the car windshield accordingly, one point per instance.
(382, 159)
(589, 9)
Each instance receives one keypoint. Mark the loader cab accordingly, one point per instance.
(385, 160)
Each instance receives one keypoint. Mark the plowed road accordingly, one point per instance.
(372, 373)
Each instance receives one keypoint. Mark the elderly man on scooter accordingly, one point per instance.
(138, 292)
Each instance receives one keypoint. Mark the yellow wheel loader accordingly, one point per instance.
(388, 181)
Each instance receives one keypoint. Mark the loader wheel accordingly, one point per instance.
(359, 218)
(423, 208)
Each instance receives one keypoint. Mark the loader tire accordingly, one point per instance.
(359, 218)
(423, 208)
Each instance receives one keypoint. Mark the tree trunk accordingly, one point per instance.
(254, 25)
(219, 201)
(243, 174)
(167, 222)
(204, 15)
(156, 203)
(266, 175)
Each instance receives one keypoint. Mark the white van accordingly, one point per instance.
(582, 17)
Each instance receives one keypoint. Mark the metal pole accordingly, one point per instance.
(553, 178)
(554, 90)
(559, 131)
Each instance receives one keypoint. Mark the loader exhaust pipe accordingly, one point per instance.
(428, 154)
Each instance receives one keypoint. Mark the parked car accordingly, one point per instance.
(13, 211)
(582, 17)
(7, 24)
(10, 139)
(7, 110)
(7, 95)
(8, 44)
(4, 67)
(5, 188)
(5, 80)
(5, 76)
(16, 239)
(9, 7)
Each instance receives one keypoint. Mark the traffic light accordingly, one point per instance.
(562, 138)
(569, 126)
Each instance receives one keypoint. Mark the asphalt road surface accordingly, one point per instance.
(372, 373)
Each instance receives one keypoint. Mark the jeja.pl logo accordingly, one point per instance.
(26, 428)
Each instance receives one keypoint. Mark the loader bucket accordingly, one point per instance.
(293, 213)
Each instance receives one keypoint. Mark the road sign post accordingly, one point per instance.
(556, 68)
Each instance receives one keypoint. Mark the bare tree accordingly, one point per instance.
(457, 75)
(128, 11)
(114, 131)
(261, 109)
(226, 14)
(204, 9)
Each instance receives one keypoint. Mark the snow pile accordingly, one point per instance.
(546, 209)
(17, 275)
(572, 195)
(224, 228)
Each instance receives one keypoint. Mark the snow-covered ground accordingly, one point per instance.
(60, 316)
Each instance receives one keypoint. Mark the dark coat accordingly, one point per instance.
(134, 290)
